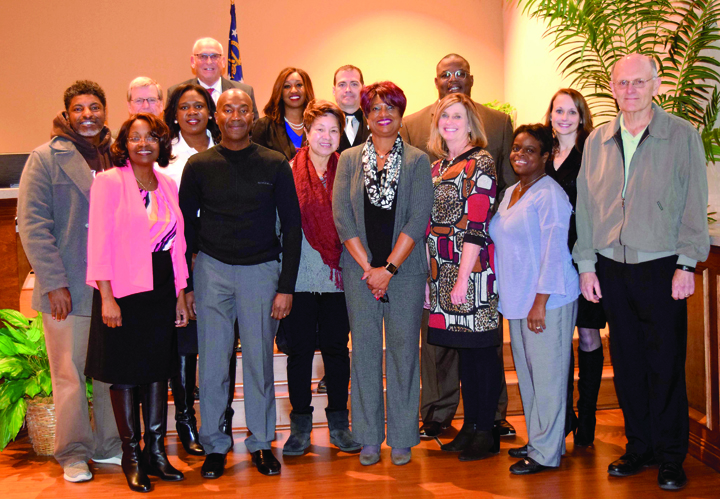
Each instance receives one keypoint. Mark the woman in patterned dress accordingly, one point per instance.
(462, 290)
(136, 262)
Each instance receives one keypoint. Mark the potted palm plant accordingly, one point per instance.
(682, 35)
(25, 382)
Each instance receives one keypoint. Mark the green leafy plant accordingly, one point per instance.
(503, 107)
(682, 36)
(24, 370)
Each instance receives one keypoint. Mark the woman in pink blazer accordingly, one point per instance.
(136, 262)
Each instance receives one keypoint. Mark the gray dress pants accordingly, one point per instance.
(223, 293)
(542, 362)
(401, 317)
(67, 343)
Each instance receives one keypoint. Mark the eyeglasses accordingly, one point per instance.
(150, 139)
(150, 100)
(459, 74)
(209, 57)
(636, 83)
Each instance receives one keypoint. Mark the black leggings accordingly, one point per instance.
(480, 378)
(318, 319)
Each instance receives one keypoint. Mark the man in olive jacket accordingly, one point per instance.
(642, 227)
(53, 206)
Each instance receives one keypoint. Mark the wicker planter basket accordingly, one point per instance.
(40, 420)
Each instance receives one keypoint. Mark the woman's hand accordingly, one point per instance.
(181, 311)
(458, 295)
(536, 316)
(378, 279)
(426, 305)
(111, 312)
(282, 304)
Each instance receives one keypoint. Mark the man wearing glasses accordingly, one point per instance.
(642, 227)
(439, 365)
(208, 62)
(145, 95)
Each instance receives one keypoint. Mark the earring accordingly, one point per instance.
(368, 127)
(176, 122)
(401, 125)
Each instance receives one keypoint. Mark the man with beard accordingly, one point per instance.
(239, 188)
(53, 208)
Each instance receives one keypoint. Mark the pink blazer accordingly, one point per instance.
(119, 234)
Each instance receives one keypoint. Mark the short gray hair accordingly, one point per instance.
(144, 81)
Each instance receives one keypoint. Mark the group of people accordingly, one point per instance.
(202, 221)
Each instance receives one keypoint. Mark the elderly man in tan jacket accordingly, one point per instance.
(642, 227)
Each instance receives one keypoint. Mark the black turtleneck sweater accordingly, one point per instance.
(239, 194)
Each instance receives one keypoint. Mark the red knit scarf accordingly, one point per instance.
(316, 210)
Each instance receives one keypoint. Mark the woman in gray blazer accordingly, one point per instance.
(382, 199)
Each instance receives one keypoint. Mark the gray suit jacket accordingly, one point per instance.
(226, 85)
(498, 128)
(414, 202)
(53, 208)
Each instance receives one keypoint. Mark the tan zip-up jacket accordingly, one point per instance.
(664, 211)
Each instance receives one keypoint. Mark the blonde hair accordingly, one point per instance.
(436, 144)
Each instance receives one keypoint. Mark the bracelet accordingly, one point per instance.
(686, 268)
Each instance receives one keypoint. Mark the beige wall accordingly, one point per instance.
(531, 75)
(47, 45)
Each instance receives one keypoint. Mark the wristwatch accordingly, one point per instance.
(391, 268)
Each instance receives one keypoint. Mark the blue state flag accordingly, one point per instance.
(234, 63)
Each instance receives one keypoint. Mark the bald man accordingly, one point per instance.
(208, 62)
(642, 227)
(238, 187)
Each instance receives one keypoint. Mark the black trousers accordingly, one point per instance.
(648, 344)
(318, 319)
(480, 378)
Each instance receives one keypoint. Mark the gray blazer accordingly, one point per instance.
(226, 85)
(414, 202)
(53, 207)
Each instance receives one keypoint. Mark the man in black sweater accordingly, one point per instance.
(239, 188)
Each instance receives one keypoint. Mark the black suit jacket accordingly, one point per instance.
(269, 134)
(226, 85)
(362, 134)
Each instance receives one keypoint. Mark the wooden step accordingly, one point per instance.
(606, 400)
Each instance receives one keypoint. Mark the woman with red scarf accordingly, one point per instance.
(319, 315)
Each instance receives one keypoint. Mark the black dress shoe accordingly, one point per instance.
(214, 466)
(527, 466)
(266, 462)
(518, 451)
(506, 429)
(672, 476)
(630, 464)
(431, 429)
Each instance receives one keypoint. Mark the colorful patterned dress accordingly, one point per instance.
(465, 191)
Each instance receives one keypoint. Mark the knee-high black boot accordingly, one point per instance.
(183, 390)
(226, 426)
(154, 409)
(591, 368)
(571, 421)
(126, 407)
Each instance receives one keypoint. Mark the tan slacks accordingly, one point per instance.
(75, 440)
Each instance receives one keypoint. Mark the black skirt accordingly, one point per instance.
(590, 315)
(144, 349)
